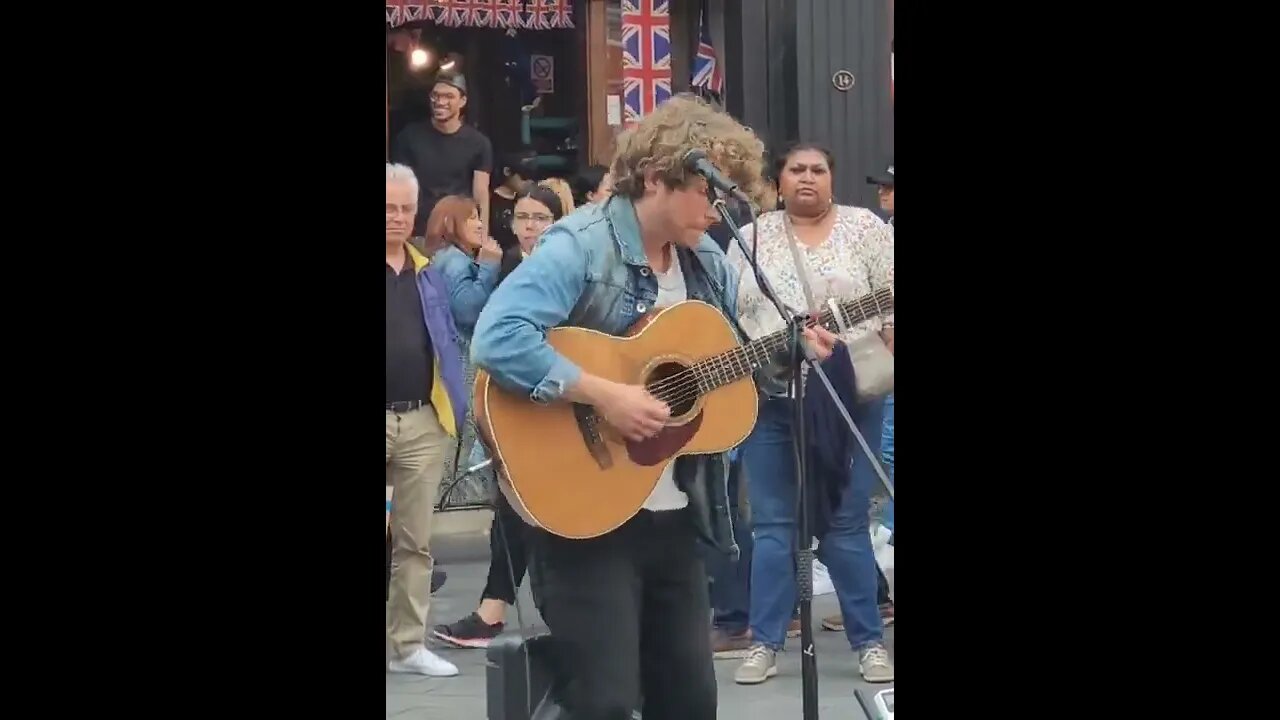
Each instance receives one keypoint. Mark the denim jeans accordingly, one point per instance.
(886, 456)
(846, 548)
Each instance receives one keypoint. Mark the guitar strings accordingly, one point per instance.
(689, 388)
(715, 362)
(685, 385)
(682, 381)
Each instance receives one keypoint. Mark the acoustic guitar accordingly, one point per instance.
(567, 471)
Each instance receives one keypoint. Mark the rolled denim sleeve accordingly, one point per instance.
(470, 285)
(510, 340)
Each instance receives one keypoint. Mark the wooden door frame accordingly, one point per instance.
(604, 78)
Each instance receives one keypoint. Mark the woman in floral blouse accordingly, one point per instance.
(847, 253)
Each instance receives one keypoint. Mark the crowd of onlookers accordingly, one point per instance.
(475, 227)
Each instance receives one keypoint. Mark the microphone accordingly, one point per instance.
(695, 161)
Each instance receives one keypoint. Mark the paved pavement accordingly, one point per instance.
(463, 697)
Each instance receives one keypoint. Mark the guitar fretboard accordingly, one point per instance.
(733, 365)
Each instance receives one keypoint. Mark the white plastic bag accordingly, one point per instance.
(822, 584)
(884, 553)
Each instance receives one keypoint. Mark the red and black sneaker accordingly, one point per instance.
(469, 632)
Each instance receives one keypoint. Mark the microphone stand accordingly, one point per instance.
(800, 356)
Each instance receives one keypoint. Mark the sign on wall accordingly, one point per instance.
(542, 70)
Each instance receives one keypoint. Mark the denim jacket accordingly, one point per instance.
(589, 270)
(470, 284)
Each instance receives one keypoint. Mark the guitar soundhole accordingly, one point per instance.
(678, 393)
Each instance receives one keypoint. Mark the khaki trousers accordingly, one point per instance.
(416, 448)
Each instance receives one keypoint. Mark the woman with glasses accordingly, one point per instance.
(536, 208)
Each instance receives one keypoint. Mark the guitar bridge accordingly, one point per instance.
(589, 427)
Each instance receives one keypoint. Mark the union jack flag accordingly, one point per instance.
(481, 14)
(457, 13)
(561, 13)
(400, 12)
(548, 14)
(506, 13)
(706, 68)
(535, 17)
(646, 57)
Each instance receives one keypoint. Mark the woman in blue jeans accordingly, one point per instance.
(845, 549)
(813, 252)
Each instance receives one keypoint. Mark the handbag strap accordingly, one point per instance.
(806, 280)
(802, 266)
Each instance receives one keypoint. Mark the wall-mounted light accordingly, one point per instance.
(419, 58)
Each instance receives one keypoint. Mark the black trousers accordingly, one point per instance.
(508, 553)
(628, 614)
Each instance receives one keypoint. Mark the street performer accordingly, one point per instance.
(628, 609)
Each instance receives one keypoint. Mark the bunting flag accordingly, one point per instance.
(456, 13)
(646, 57)
(506, 14)
(535, 17)
(707, 73)
(518, 14)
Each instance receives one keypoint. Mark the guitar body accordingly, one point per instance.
(565, 470)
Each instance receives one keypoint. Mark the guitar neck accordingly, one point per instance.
(740, 362)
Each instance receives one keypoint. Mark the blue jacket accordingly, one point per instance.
(831, 445)
(589, 270)
(470, 284)
(448, 387)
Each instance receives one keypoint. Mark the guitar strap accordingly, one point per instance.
(710, 284)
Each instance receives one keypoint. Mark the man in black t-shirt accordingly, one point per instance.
(448, 157)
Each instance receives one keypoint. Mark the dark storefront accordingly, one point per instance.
(789, 64)
(785, 63)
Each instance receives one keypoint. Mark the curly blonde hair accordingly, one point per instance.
(561, 188)
(658, 144)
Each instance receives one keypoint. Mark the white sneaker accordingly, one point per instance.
(424, 662)
(760, 665)
(875, 664)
